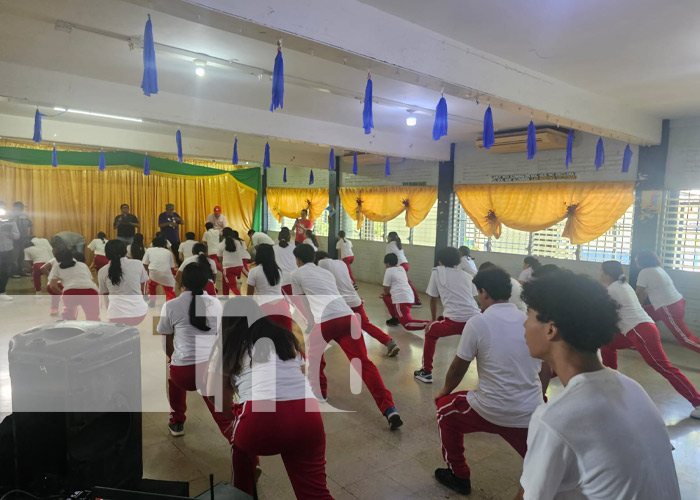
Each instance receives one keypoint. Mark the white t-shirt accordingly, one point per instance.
(231, 259)
(192, 346)
(468, 266)
(601, 438)
(37, 254)
(319, 286)
(77, 277)
(193, 258)
(344, 248)
(342, 280)
(286, 261)
(272, 380)
(308, 241)
(526, 275)
(126, 298)
(516, 290)
(168, 245)
(263, 289)
(659, 286)
(509, 384)
(259, 238)
(160, 263)
(244, 251)
(97, 246)
(397, 280)
(456, 291)
(392, 247)
(211, 238)
(631, 312)
(186, 248)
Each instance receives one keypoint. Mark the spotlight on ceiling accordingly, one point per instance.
(411, 121)
(199, 67)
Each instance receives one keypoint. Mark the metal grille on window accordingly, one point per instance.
(321, 224)
(680, 235)
(550, 243)
(424, 233)
(272, 223)
(372, 231)
(614, 244)
(464, 232)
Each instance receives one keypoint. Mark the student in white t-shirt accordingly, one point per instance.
(245, 255)
(395, 246)
(509, 385)
(212, 239)
(137, 249)
(160, 265)
(265, 283)
(55, 293)
(185, 248)
(455, 289)
(345, 286)
(311, 239)
(530, 265)
(284, 256)
(99, 260)
(258, 238)
(231, 258)
(398, 296)
(37, 252)
(466, 263)
(638, 331)
(78, 288)
(335, 321)
(601, 437)
(123, 282)
(199, 250)
(344, 248)
(667, 304)
(516, 288)
(191, 324)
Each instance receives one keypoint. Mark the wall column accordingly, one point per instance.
(446, 178)
(334, 200)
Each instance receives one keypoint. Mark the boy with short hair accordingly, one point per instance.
(212, 239)
(186, 246)
(398, 295)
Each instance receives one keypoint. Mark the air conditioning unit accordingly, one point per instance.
(516, 141)
(371, 159)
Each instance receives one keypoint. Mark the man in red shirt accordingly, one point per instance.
(300, 226)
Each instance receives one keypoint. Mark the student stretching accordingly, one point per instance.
(334, 320)
(667, 304)
(284, 256)
(638, 331)
(601, 437)
(264, 281)
(515, 290)
(455, 289)
(530, 265)
(185, 248)
(197, 250)
(245, 255)
(55, 294)
(231, 258)
(311, 239)
(342, 279)
(78, 287)
(37, 252)
(189, 339)
(160, 264)
(398, 296)
(137, 249)
(466, 263)
(394, 246)
(344, 248)
(99, 260)
(212, 239)
(123, 281)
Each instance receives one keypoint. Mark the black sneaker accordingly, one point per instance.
(423, 376)
(177, 429)
(392, 349)
(393, 417)
(417, 305)
(392, 322)
(447, 478)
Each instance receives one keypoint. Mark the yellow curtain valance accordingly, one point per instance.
(289, 202)
(591, 208)
(382, 204)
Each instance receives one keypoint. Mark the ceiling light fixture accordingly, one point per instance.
(411, 121)
(101, 115)
(199, 67)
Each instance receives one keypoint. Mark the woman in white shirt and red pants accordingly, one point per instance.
(78, 287)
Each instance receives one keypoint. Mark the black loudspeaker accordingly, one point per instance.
(76, 397)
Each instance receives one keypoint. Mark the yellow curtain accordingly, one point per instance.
(382, 204)
(591, 207)
(289, 202)
(86, 200)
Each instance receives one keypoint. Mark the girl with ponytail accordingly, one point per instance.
(199, 255)
(311, 239)
(344, 248)
(284, 256)
(124, 281)
(530, 265)
(265, 282)
(638, 330)
(136, 250)
(78, 287)
(245, 257)
(190, 324)
(231, 258)
(394, 246)
(97, 246)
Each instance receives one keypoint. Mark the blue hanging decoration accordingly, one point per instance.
(387, 168)
(149, 84)
(331, 160)
(489, 137)
(54, 157)
(367, 118)
(570, 149)
(311, 177)
(278, 80)
(440, 125)
(178, 140)
(266, 158)
(146, 165)
(354, 163)
(626, 159)
(234, 159)
(531, 141)
(599, 154)
(37, 126)
(284, 175)
(103, 164)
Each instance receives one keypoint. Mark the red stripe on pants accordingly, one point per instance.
(416, 298)
(673, 317)
(182, 379)
(36, 275)
(303, 450)
(347, 333)
(366, 325)
(435, 331)
(88, 299)
(100, 262)
(456, 418)
(403, 313)
(153, 288)
(646, 340)
(348, 261)
(231, 274)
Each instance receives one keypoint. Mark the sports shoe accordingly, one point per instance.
(392, 322)
(695, 413)
(417, 305)
(4, 297)
(392, 349)
(393, 417)
(354, 286)
(423, 376)
(177, 429)
(37, 295)
(54, 312)
(447, 478)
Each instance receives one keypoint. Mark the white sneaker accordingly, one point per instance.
(695, 413)
(37, 295)
(5, 297)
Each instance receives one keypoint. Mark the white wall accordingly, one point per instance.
(683, 160)
(405, 171)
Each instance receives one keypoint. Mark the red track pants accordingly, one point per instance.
(36, 275)
(372, 330)
(215, 258)
(672, 316)
(88, 299)
(230, 284)
(278, 313)
(100, 262)
(153, 288)
(437, 330)
(403, 313)
(348, 261)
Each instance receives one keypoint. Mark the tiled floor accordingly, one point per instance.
(366, 460)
